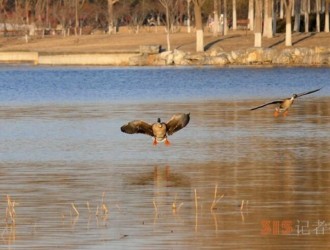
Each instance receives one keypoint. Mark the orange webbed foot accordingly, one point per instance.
(167, 142)
(285, 113)
(276, 113)
(155, 142)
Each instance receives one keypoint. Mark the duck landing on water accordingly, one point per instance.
(285, 104)
(158, 130)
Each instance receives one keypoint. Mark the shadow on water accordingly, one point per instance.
(233, 178)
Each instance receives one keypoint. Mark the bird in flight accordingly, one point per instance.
(284, 105)
(158, 130)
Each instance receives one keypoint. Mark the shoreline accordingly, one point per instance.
(149, 48)
(255, 57)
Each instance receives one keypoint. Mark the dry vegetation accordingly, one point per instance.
(126, 40)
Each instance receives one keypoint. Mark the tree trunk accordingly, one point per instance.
(258, 24)
(199, 26)
(265, 18)
(188, 16)
(306, 15)
(47, 14)
(318, 22)
(168, 28)
(234, 16)
(111, 27)
(225, 21)
(288, 25)
(281, 9)
(297, 8)
(216, 18)
(27, 9)
(268, 19)
(326, 25)
(274, 16)
(251, 14)
(76, 19)
(220, 18)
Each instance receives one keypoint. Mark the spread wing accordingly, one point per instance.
(266, 104)
(137, 126)
(309, 92)
(177, 122)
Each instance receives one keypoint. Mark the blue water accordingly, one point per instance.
(61, 144)
(35, 85)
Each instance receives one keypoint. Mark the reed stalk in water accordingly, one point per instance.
(75, 209)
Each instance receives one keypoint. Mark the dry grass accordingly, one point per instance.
(126, 40)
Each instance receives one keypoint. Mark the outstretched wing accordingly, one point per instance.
(266, 104)
(137, 126)
(177, 122)
(309, 92)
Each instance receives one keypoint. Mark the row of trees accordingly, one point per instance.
(74, 15)
(292, 10)
(263, 15)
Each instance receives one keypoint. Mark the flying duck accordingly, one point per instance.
(285, 104)
(159, 130)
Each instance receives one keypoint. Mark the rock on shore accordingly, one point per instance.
(154, 56)
(252, 56)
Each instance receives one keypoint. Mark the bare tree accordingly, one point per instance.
(297, 9)
(27, 8)
(282, 9)
(234, 16)
(274, 13)
(326, 18)
(306, 4)
(78, 5)
(62, 11)
(251, 14)
(268, 19)
(220, 18)
(216, 18)
(111, 23)
(188, 16)
(199, 25)
(318, 21)
(288, 25)
(169, 6)
(258, 24)
(225, 19)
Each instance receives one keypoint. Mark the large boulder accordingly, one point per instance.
(221, 59)
(150, 49)
(179, 57)
(254, 55)
(238, 56)
(269, 55)
(167, 57)
(195, 58)
(284, 57)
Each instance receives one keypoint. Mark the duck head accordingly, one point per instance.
(159, 123)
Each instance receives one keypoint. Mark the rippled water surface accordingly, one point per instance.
(232, 179)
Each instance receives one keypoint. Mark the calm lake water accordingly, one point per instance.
(232, 179)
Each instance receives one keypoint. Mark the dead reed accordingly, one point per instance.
(10, 211)
(216, 199)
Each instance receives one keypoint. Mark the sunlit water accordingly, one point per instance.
(61, 149)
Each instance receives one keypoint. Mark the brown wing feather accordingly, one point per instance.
(177, 122)
(137, 127)
(309, 92)
(266, 104)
